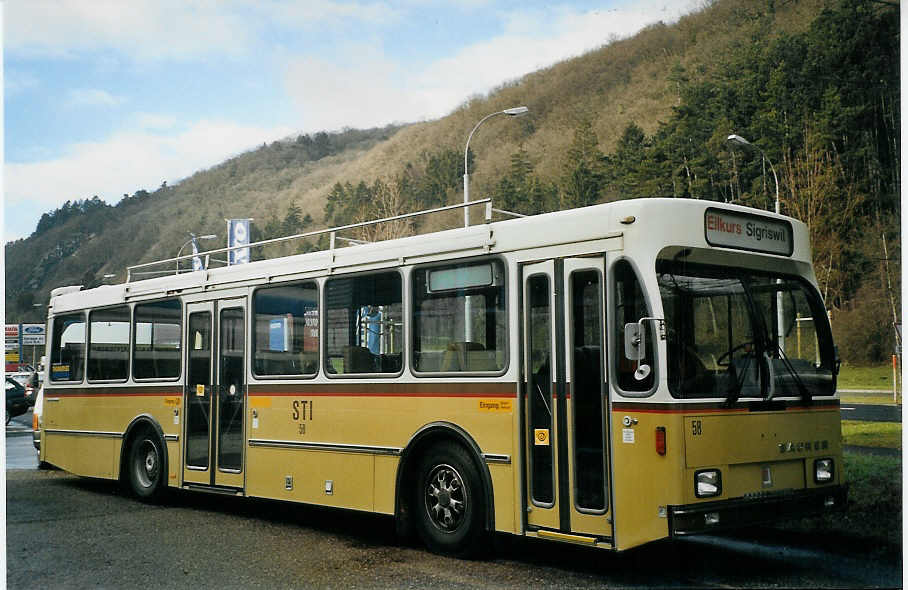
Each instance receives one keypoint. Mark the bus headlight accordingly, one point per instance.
(707, 483)
(823, 470)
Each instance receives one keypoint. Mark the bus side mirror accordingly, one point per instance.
(634, 341)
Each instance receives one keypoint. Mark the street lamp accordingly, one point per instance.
(737, 140)
(512, 112)
(189, 241)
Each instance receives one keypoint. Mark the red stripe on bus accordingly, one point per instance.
(303, 393)
(695, 411)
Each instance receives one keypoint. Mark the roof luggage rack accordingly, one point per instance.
(332, 232)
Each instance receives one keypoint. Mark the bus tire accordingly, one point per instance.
(448, 502)
(146, 466)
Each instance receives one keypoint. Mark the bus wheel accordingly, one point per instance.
(146, 466)
(448, 502)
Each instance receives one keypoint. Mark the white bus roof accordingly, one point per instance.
(640, 227)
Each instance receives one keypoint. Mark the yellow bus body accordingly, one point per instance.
(344, 442)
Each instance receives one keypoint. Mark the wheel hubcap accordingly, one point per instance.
(446, 498)
(146, 465)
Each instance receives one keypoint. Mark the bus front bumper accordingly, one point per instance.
(720, 515)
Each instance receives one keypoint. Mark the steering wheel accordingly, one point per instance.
(725, 359)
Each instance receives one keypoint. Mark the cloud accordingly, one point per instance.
(16, 82)
(365, 90)
(363, 87)
(151, 121)
(147, 29)
(127, 162)
(92, 97)
(169, 29)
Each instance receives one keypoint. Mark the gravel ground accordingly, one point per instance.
(68, 532)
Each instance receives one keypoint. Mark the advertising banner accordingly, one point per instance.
(33, 335)
(238, 235)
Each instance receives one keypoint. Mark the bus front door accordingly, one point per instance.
(215, 394)
(566, 399)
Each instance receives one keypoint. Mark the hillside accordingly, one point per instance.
(814, 83)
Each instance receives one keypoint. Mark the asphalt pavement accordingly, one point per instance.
(871, 412)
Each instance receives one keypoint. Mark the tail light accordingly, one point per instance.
(34, 422)
(660, 440)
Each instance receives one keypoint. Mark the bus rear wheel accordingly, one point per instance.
(146, 466)
(448, 501)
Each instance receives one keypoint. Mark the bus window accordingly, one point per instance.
(286, 330)
(443, 340)
(68, 348)
(539, 389)
(157, 333)
(364, 324)
(108, 344)
(726, 327)
(629, 307)
(586, 390)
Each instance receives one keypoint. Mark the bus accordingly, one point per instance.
(604, 376)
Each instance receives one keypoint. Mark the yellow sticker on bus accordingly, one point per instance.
(495, 405)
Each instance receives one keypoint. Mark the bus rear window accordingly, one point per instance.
(67, 355)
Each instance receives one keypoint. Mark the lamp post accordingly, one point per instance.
(512, 112)
(737, 140)
(189, 241)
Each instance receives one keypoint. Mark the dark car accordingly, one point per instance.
(16, 401)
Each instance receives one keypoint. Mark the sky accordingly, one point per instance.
(106, 97)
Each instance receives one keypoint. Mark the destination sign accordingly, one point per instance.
(743, 231)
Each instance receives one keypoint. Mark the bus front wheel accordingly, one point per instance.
(448, 502)
(146, 466)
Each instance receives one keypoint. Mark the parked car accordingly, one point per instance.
(16, 401)
(28, 380)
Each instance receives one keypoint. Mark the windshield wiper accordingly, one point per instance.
(734, 392)
(805, 392)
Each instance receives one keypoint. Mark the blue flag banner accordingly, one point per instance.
(196, 260)
(238, 235)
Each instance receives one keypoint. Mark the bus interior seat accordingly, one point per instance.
(359, 359)
(467, 356)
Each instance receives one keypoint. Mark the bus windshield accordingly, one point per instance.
(736, 333)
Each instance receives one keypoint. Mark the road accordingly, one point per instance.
(871, 412)
(20, 450)
(69, 532)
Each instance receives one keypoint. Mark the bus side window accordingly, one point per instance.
(629, 306)
(108, 346)
(459, 318)
(286, 330)
(364, 324)
(156, 340)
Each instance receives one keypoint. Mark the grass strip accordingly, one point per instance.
(874, 511)
(886, 435)
(877, 377)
